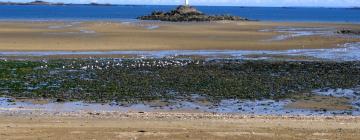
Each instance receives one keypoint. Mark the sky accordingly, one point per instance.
(269, 3)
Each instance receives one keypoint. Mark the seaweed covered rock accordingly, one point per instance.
(188, 13)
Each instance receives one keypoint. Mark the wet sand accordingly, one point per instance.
(120, 36)
(155, 126)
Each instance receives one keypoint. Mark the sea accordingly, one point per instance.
(130, 12)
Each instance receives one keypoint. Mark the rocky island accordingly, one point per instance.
(37, 2)
(186, 13)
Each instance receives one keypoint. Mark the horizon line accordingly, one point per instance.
(247, 6)
(125, 4)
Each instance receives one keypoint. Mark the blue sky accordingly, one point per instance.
(315, 3)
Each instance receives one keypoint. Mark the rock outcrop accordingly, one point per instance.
(188, 13)
(39, 2)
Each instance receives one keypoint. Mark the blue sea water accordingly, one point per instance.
(87, 12)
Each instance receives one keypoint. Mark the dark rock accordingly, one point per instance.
(60, 100)
(188, 13)
(91, 113)
(10, 100)
(347, 31)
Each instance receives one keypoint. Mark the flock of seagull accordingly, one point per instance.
(137, 63)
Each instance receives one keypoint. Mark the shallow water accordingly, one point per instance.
(345, 52)
(152, 27)
(256, 107)
(67, 107)
(352, 94)
(293, 32)
(66, 25)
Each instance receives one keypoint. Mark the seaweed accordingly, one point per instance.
(136, 80)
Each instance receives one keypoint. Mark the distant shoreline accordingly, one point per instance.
(108, 4)
(50, 4)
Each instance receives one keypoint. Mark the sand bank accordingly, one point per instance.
(120, 36)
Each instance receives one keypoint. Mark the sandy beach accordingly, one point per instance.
(120, 36)
(154, 126)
